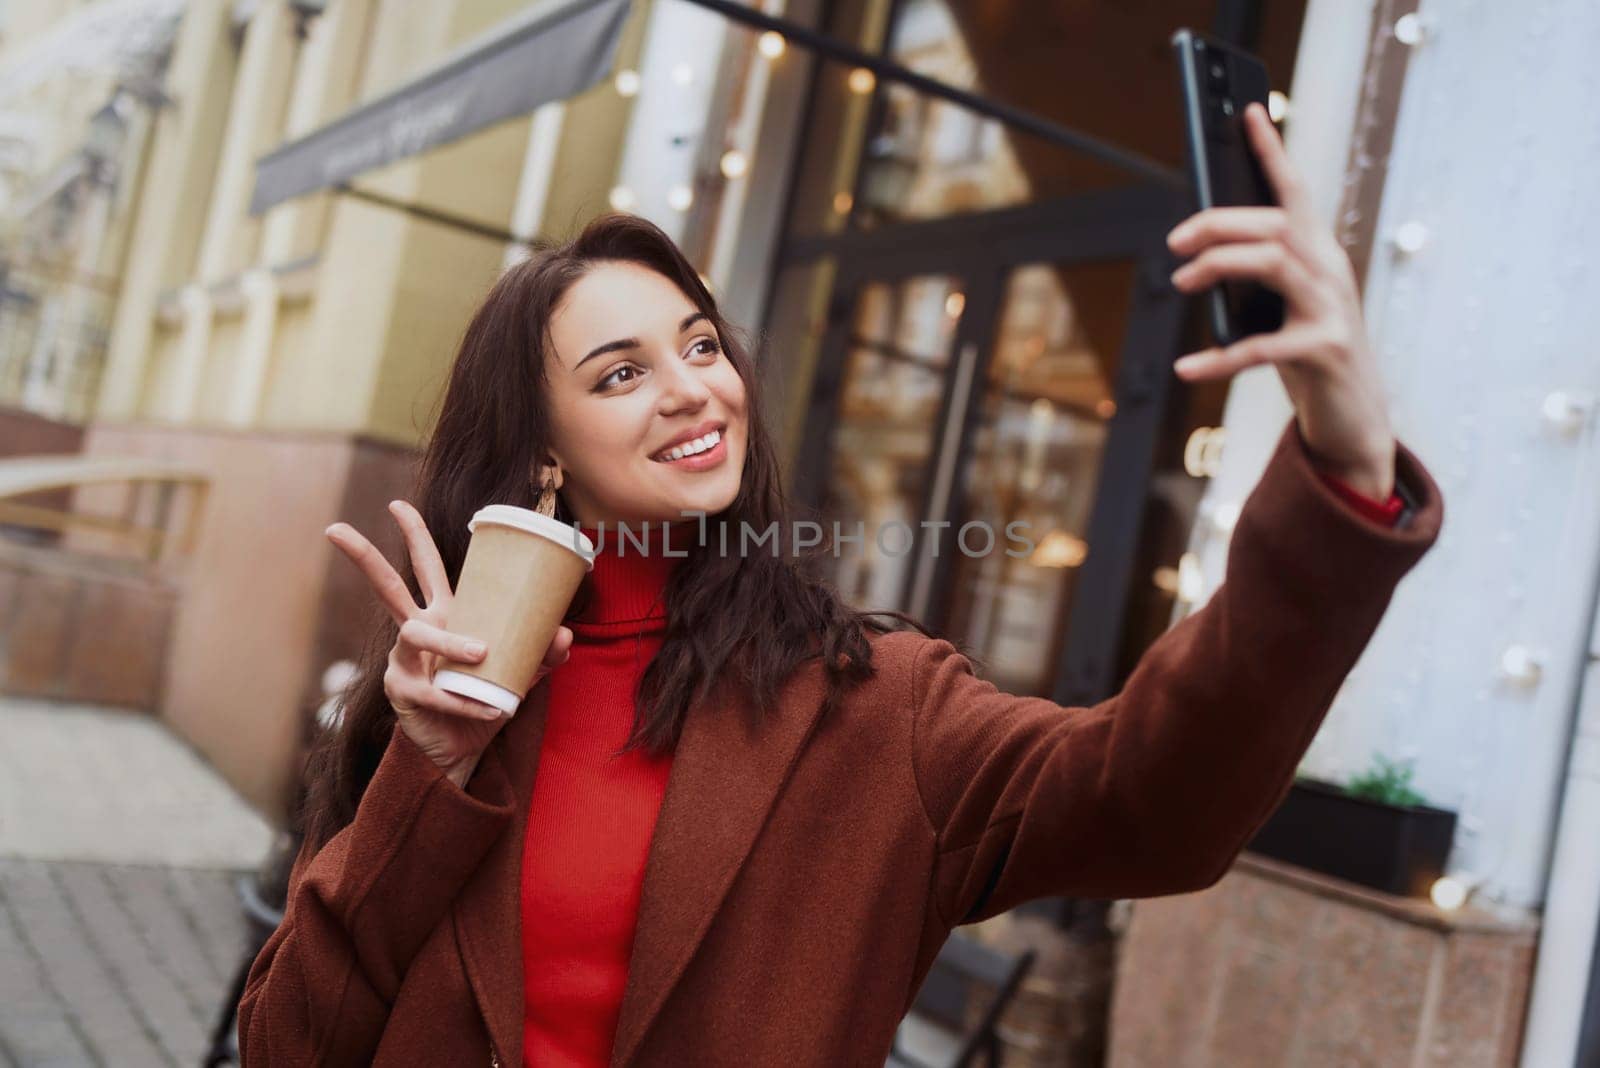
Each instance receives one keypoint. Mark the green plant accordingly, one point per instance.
(1387, 781)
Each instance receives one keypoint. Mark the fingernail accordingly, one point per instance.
(1187, 363)
(475, 648)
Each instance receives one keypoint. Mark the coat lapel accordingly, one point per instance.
(725, 778)
(488, 910)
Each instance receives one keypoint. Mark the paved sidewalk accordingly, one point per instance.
(120, 927)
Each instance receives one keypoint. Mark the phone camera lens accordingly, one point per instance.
(1227, 106)
(1218, 72)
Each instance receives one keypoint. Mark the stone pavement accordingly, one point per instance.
(120, 925)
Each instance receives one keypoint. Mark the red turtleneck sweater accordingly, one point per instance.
(592, 815)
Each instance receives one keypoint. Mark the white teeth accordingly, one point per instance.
(690, 448)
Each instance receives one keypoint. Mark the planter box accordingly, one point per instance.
(1399, 850)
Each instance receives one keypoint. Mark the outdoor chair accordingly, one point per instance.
(262, 895)
(935, 1033)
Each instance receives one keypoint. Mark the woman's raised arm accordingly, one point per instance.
(1157, 789)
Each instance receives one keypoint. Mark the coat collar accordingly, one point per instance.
(725, 778)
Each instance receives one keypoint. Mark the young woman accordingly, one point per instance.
(735, 819)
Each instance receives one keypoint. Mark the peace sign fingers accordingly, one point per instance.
(425, 559)
(384, 580)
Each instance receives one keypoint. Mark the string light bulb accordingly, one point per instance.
(627, 82)
(861, 81)
(1165, 579)
(680, 197)
(1410, 238)
(1448, 893)
(734, 163)
(1411, 29)
(1222, 515)
(771, 44)
(1565, 413)
(1191, 579)
(1202, 452)
(1059, 549)
(1521, 666)
(622, 198)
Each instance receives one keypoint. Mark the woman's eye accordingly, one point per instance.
(706, 346)
(612, 379)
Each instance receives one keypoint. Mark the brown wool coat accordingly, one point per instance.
(801, 880)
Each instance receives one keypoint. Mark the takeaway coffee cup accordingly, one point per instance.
(517, 581)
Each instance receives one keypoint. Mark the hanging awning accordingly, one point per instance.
(552, 51)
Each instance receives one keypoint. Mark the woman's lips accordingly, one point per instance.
(701, 461)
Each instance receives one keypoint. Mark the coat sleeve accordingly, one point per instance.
(1156, 789)
(359, 909)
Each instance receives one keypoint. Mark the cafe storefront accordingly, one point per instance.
(970, 322)
(945, 228)
(965, 316)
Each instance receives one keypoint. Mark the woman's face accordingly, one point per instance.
(637, 372)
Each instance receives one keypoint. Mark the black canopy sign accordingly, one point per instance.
(556, 49)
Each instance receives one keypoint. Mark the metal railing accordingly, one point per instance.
(25, 476)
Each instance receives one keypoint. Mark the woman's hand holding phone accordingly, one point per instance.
(453, 731)
(1321, 351)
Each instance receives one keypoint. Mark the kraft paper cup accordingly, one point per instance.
(517, 582)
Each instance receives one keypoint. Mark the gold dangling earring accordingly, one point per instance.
(546, 500)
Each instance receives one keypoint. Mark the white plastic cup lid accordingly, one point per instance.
(489, 693)
(509, 515)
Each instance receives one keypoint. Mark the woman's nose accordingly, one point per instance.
(682, 388)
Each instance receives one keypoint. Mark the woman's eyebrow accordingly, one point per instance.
(633, 342)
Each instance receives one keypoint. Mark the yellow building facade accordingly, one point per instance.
(298, 356)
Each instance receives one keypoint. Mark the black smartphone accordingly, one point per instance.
(1217, 81)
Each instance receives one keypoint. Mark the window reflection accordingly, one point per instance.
(899, 348)
(1034, 466)
(929, 157)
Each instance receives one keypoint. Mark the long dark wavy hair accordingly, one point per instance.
(743, 620)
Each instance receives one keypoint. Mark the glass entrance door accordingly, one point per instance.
(967, 405)
(1030, 469)
(897, 360)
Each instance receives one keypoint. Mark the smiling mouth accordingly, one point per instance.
(702, 444)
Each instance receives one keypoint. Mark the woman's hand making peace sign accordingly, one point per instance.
(453, 731)
(1321, 351)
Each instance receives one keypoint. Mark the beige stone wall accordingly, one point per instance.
(1276, 966)
(249, 597)
(82, 629)
(592, 141)
(274, 350)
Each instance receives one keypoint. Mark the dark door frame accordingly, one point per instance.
(958, 245)
(1128, 224)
